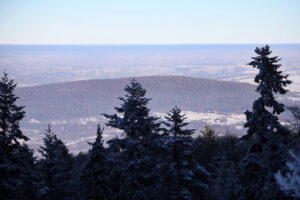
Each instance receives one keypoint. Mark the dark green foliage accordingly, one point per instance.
(268, 151)
(137, 170)
(209, 134)
(94, 179)
(10, 116)
(220, 158)
(263, 119)
(79, 162)
(55, 167)
(258, 168)
(183, 177)
(207, 144)
(16, 159)
(175, 123)
(134, 158)
(20, 175)
(225, 182)
(135, 122)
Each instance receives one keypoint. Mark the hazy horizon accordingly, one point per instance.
(40, 64)
(132, 44)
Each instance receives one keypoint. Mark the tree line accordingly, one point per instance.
(159, 159)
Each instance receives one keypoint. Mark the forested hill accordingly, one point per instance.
(74, 108)
(91, 97)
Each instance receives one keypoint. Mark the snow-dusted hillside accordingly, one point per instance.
(74, 108)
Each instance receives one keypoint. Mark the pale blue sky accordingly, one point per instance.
(149, 22)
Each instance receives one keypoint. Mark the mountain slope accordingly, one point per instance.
(74, 108)
(91, 97)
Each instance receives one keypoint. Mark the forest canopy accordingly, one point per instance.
(159, 158)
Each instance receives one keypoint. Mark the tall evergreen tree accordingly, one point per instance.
(55, 166)
(135, 154)
(175, 123)
(263, 120)
(16, 159)
(268, 151)
(136, 121)
(183, 177)
(94, 179)
(11, 114)
(79, 162)
(257, 179)
(29, 187)
(207, 143)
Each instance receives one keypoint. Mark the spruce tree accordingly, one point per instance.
(135, 157)
(28, 188)
(175, 123)
(16, 159)
(209, 134)
(79, 162)
(136, 121)
(268, 151)
(94, 179)
(257, 170)
(184, 178)
(55, 167)
(263, 119)
(207, 143)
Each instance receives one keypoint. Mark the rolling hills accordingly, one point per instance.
(74, 108)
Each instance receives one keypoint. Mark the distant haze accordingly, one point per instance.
(40, 64)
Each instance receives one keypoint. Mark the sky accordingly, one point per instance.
(149, 21)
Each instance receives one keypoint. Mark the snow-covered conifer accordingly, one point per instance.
(135, 158)
(184, 177)
(94, 178)
(17, 163)
(135, 120)
(263, 119)
(55, 167)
